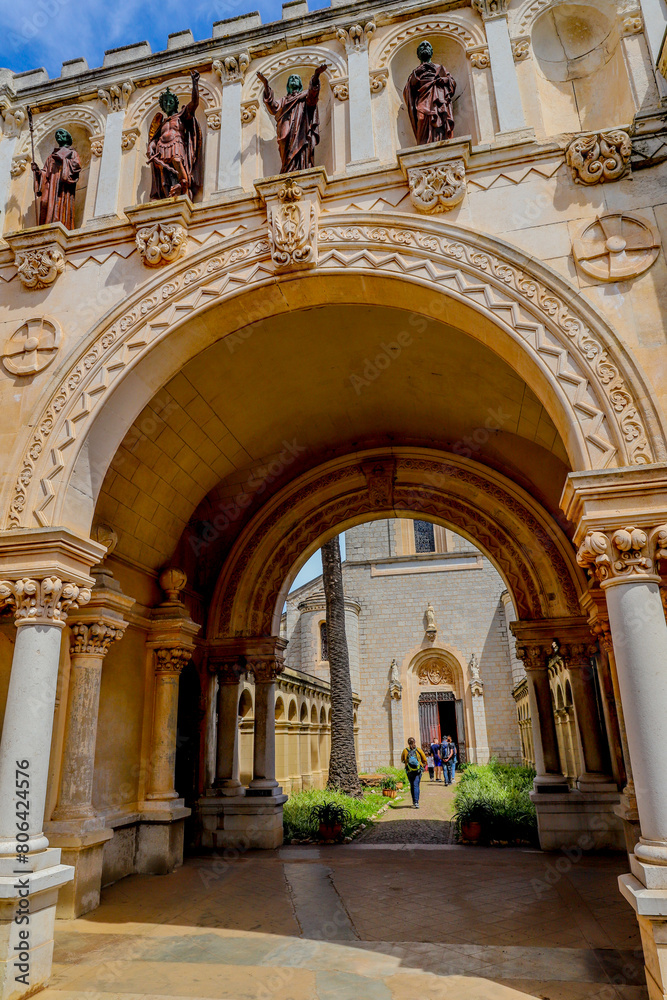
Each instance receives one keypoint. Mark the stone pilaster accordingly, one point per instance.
(231, 70)
(503, 69)
(108, 179)
(356, 38)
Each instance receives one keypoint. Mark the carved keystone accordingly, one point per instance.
(436, 174)
(161, 229)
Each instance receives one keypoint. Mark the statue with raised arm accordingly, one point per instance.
(175, 146)
(297, 120)
(55, 183)
(429, 95)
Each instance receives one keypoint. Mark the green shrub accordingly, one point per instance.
(390, 782)
(397, 772)
(497, 796)
(300, 812)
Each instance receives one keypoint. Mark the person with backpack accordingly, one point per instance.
(449, 758)
(414, 761)
(436, 750)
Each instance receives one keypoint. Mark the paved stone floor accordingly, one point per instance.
(367, 921)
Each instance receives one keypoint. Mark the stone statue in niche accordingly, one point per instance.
(297, 120)
(474, 668)
(395, 674)
(175, 146)
(55, 183)
(429, 95)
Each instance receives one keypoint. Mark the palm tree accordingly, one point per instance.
(343, 774)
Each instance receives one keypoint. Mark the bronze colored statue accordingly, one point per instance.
(297, 120)
(175, 145)
(428, 96)
(55, 183)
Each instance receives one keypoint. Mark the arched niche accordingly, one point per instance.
(268, 153)
(581, 73)
(450, 53)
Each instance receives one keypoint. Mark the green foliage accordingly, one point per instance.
(331, 813)
(397, 772)
(497, 796)
(302, 810)
(390, 782)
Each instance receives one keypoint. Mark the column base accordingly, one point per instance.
(159, 843)
(583, 820)
(593, 782)
(551, 784)
(227, 788)
(650, 905)
(627, 812)
(84, 852)
(242, 823)
(29, 958)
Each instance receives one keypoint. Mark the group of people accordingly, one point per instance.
(440, 758)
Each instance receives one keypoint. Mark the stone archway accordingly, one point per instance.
(524, 311)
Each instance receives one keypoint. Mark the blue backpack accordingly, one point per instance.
(413, 762)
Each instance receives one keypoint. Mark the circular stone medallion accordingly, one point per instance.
(616, 247)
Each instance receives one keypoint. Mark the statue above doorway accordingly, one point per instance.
(297, 120)
(175, 146)
(428, 96)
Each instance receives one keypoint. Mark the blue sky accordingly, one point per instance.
(49, 32)
(313, 567)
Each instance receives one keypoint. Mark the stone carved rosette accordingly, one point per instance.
(624, 554)
(436, 175)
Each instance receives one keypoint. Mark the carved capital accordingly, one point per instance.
(117, 96)
(171, 659)
(94, 638)
(599, 157)
(533, 656)
(40, 266)
(633, 24)
(231, 69)
(129, 137)
(357, 36)
(13, 119)
(520, 49)
(18, 164)
(213, 119)
(341, 90)
(377, 80)
(480, 59)
(229, 671)
(578, 654)
(490, 8)
(39, 602)
(161, 243)
(249, 111)
(624, 554)
(96, 145)
(265, 669)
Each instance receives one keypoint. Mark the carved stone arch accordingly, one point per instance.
(292, 710)
(456, 25)
(309, 55)
(303, 712)
(144, 103)
(280, 709)
(601, 403)
(527, 548)
(90, 119)
(525, 16)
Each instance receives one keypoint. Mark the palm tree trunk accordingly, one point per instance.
(343, 774)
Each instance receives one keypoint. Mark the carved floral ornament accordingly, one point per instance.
(625, 554)
(129, 137)
(40, 266)
(479, 58)
(599, 157)
(32, 347)
(617, 246)
(42, 601)
(117, 96)
(357, 36)
(94, 638)
(172, 659)
(161, 243)
(435, 672)
(437, 188)
(446, 261)
(292, 228)
(18, 164)
(231, 69)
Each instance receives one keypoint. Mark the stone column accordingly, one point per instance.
(75, 826)
(362, 139)
(266, 670)
(654, 13)
(503, 68)
(58, 565)
(545, 741)
(621, 530)
(171, 638)
(231, 71)
(108, 178)
(227, 758)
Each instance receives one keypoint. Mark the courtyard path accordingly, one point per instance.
(366, 921)
(402, 824)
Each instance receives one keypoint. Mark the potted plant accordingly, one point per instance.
(474, 819)
(388, 786)
(331, 817)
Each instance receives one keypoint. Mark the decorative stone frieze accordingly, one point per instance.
(479, 58)
(520, 49)
(117, 96)
(490, 8)
(357, 36)
(48, 600)
(32, 347)
(599, 157)
(94, 638)
(377, 80)
(435, 672)
(249, 111)
(18, 164)
(614, 556)
(129, 137)
(96, 145)
(617, 246)
(213, 119)
(436, 175)
(231, 69)
(292, 206)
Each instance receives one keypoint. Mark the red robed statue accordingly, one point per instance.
(55, 183)
(297, 120)
(428, 96)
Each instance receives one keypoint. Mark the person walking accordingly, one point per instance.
(429, 761)
(436, 749)
(450, 757)
(414, 761)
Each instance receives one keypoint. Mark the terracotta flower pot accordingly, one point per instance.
(390, 793)
(472, 831)
(330, 832)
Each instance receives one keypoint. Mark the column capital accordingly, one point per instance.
(228, 671)
(94, 638)
(491, 8)
(357, 36)
(42, 602)
(261, 655)
(622, 555)
(232, 68)
(575, 654)
(539, 641)
(172, 659)
(117, 96)
(533, 656)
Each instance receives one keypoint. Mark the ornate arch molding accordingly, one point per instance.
(89, 118)
(529, 11)
(309, 55)
(599, 397)
(455, 26)
(438, 666)
(145, 104)
(534, 557)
